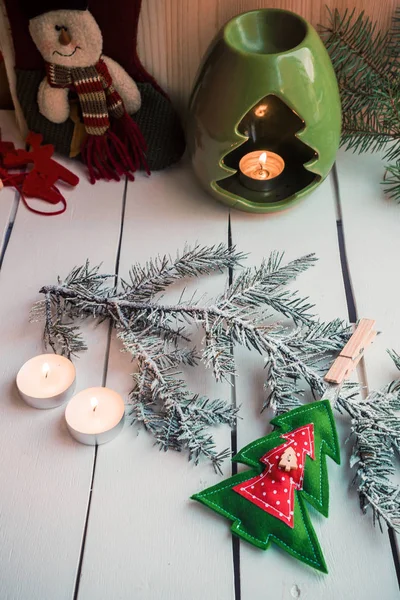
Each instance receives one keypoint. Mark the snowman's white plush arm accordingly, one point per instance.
(53, 102)
(124, 85)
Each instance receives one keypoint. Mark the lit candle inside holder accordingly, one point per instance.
(95, 416)
(46, 381)
(261, 171)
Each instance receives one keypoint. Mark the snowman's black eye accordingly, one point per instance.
(58, 28)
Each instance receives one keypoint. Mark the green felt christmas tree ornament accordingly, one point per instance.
(264, 115)
(287, 470)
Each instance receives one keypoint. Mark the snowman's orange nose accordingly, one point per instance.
(64, 38)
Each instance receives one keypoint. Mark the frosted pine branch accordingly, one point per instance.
(157, 335)
(375, 430)
(145, 282)
(375, 427)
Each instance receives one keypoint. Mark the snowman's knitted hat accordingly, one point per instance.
(34, 8)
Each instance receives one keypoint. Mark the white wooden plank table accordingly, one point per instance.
(45, 477)
(81, 524)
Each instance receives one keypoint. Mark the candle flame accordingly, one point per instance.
(261, 110)
(94, 403)
(45, 369)
(263, 158)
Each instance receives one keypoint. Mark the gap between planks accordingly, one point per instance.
(348, 288)
(11, 220)
(353, 318)
(104, 381)
(9, 228)
(234, 449)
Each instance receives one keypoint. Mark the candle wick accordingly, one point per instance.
(46, 374)
(94, 408)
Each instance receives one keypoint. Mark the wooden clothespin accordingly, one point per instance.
(352, 353)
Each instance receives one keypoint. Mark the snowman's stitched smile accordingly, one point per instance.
(67, 55)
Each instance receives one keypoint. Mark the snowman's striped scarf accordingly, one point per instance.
(97, 96)
(109, 150)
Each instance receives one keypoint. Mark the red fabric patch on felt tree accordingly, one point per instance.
(273, 490)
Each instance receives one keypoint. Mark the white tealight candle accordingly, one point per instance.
(261, 171)
(95, 416)
(46, 381)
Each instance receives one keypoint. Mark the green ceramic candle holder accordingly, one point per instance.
(266, 84)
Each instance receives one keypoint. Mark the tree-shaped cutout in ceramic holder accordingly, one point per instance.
(266, 83)
(271, 126)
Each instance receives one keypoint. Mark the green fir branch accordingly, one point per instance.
(366, 63)
(391, 181)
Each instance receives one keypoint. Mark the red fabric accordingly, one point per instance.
(109, 156)
(27, 56)
(118, 26)
(129, 132)
(5, 147)
(273, 490)
(40, 181)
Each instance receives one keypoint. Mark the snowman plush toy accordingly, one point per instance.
(70, 41)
